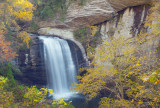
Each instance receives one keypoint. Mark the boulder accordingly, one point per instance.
(97, 11)
(93, 12)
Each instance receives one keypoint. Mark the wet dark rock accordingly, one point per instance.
(31, 64)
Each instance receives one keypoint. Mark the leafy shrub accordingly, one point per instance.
(33, 96)
(6, 71)
(36, 97)
(46, 10)
(62, 104)
(6, 98)
(46, 13)
(89, 36)
(19, 92)
(114, 103)
(34, 26)
(82, 2)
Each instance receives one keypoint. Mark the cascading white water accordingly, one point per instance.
(61, 71)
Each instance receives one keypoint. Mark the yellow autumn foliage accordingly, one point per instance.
(13, 10)
(93, 30)
(124, 63)
(23, 10)
(25, 37)
(34, 96)
(108, 62)
(6, 98)
(116, 61)
(61, 103)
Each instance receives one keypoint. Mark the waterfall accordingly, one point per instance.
(60, 68)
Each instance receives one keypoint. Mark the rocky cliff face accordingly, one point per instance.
(129, 23)
(31, 65)
(93, 12)
(109, 14)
